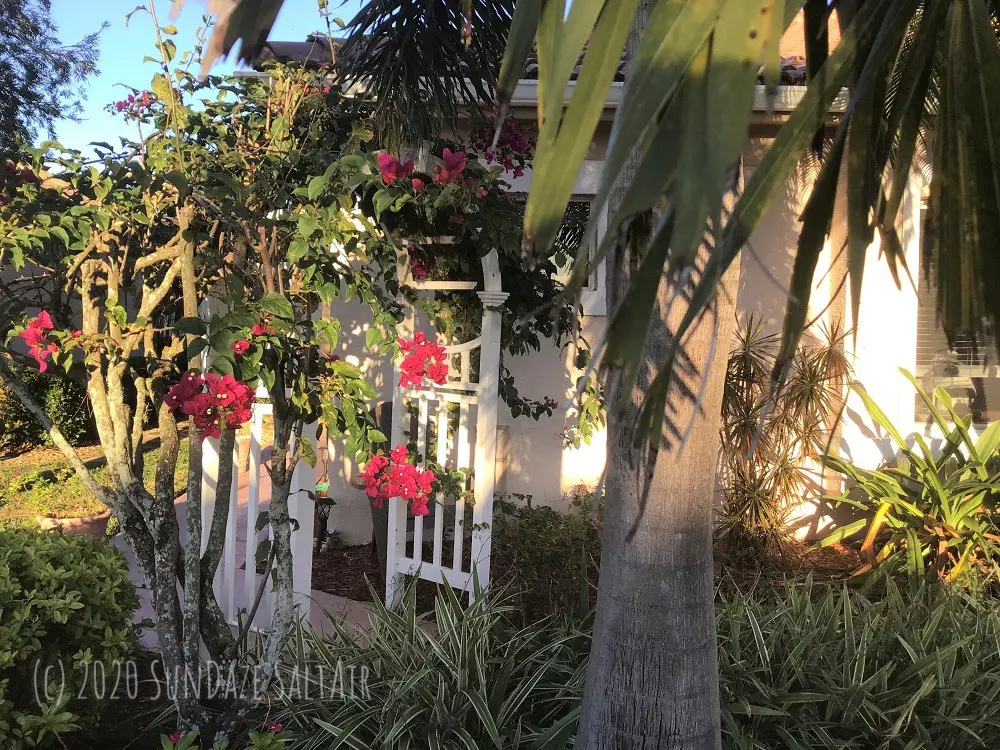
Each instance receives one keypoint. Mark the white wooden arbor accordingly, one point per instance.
(456, 425)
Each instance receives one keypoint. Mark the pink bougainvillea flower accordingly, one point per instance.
(438, 372)
(274, 726)
(212, 401)
(184, 390)
(392, 169)
(396, 476)
(453, 162)
(174, 737)
(481, 191)
(422, 358)
(42, 321)
(418, 184)
(240, 346)
(42, 355)
(418, 270)
(261, 329)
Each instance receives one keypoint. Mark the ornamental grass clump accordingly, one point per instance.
(806, 666)
(470, 679)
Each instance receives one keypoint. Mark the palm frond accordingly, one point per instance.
(423, 62)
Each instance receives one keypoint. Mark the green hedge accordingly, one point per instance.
(66, 604)
(65, 402)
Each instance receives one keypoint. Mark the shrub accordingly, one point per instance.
(66, 403)
(64, 400)
(808, 668)
(930, 511)
(469, 679)
(66, 604)
(773, 435)
(18, 429)
(548, 560)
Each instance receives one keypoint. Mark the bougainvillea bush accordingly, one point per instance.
(184, 269)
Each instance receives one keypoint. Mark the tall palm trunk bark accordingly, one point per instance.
(653, 680)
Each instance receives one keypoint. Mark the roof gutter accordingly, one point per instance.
(786, 100)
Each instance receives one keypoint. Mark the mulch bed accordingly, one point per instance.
(130, 720)
(353, 572)
(795, 560)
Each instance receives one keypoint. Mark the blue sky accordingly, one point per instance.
(122, 50)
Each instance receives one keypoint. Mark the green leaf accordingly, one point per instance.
(317, 185)
(308, 454)
(61, 234)
(817, 219)
(297, 250)
(278, 306)
(161, 88)
(558, 163)
(519, 39)
(262, 552)
(308, 223)
(178, 180)
(192, 326)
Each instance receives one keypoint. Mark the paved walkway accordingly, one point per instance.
(322, 608)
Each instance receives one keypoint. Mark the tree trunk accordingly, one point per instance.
(652, 680)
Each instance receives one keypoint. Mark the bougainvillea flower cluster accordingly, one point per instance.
(393, 169)
(513, 151)
(418, 269)
(454, 165)
(40, 345)
(261, 328)
(213, 402)
(422, 358)
(396, 476)
(135, 105)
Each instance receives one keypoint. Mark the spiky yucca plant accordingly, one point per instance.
(774, 436)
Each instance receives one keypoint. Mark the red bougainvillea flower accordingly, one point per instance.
(392, 169)
(211, 401)
(418, 184)
(174, 737)
(481, 192)
(274, 726)
(396, 476)
(261, 329)
(422, 358)
(240, 346)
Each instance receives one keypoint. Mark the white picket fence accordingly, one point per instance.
(454, 423)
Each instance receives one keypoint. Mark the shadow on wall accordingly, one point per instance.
(768, 257)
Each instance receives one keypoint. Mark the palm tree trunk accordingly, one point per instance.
(653, 681)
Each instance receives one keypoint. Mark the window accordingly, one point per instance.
(965, 368)
(571, 232)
